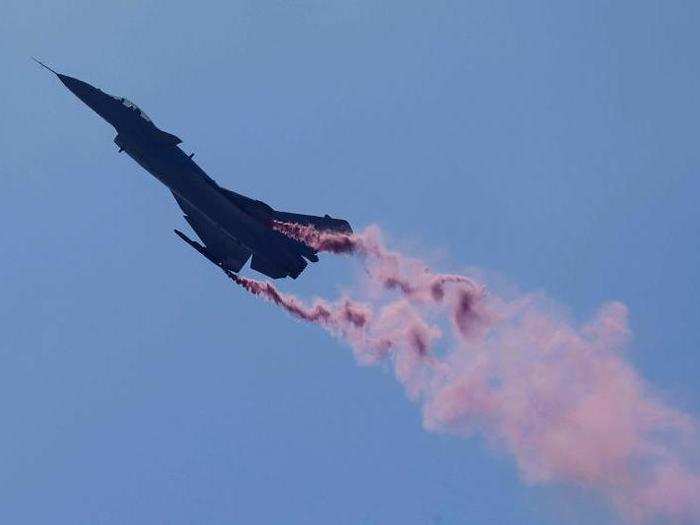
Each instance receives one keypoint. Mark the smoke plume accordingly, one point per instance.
(560, 398)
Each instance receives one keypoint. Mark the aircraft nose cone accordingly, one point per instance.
(84, 91)
(78, 87)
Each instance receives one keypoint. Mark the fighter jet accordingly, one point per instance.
(231, 226)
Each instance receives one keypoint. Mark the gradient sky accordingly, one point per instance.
(551, 143)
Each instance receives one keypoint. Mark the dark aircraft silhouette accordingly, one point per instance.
(232, 226)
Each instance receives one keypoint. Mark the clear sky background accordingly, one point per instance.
(552, 143)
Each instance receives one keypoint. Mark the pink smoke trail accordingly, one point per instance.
(560, 398)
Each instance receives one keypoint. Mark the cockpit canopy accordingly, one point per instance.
(129, 104)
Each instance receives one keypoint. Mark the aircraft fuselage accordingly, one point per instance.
(158, 153)
(233, 227)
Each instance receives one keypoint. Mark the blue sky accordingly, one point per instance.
(553, 144)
